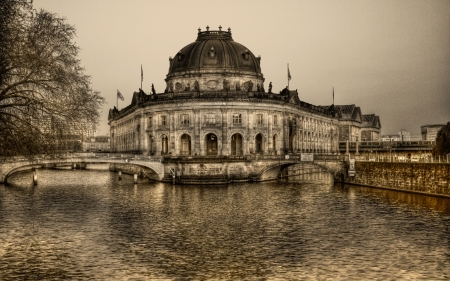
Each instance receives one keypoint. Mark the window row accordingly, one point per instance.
(210, 118)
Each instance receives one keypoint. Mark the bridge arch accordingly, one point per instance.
(273, 170)
(6, 170)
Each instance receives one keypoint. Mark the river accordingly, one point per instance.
(88, 225)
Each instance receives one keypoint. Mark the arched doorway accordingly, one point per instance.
(259, 144)
(274, 144)
(211, 144)
(185, 148)
(164, 145)
(236, 144)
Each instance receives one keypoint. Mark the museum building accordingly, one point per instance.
(216, 104)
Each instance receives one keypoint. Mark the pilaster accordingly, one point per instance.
(225, 150)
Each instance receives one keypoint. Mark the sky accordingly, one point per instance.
(389, 57)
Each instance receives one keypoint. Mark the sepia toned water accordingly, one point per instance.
(86, 225)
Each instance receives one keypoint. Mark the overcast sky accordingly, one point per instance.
(390, 57)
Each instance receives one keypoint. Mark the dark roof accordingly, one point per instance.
(214, 52)
(371, 121)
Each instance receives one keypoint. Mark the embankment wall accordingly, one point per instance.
(429, 178)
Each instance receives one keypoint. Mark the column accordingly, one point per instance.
(196, 137)
(225, 150)
(250, 139)
(270, 133)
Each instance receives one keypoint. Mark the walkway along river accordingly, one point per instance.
(86, 225)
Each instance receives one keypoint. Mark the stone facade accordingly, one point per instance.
(430, 178)
(224, 127)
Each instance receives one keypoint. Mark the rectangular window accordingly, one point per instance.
(150, 122)
(210, 118)
(163, 120)
(237, 119)
(275, 120)
(184, 118)
(259, 119)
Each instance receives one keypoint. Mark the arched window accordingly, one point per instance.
(211, 144)
(185, 148)
(259, 144)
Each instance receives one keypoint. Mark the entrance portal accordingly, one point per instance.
(236, 144)
(211, 144)
(259, 143)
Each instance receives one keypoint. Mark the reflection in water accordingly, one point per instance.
(87, 225)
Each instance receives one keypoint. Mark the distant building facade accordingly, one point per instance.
(391, 138)
(96, 143)
(429, 132)
(354, 126)
(404, 135)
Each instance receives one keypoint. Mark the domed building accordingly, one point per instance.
(214, 62)
(216, 105)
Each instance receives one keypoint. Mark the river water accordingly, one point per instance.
(88, 225)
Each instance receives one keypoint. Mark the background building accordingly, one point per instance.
(404, 135)
(391, 138)
(429, 132)
(96, 143)
(354, 126)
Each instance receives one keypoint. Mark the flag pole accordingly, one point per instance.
(333, 95)
(288, 74)
(117, 98)
(142, 76)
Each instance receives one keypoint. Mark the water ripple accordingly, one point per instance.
(86, 225)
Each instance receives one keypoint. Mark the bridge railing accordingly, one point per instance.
(123, 156)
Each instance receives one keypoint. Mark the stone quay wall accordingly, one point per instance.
(142, 172)
(429, 178)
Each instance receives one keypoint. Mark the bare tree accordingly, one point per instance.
(45, 96)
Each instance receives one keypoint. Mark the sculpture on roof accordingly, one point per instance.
(270, 87)
(226, 85)
(196, 86)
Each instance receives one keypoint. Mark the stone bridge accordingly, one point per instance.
(13, 165)
(208, 170)
(194, 170)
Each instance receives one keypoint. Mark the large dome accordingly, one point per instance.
(214, 62)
